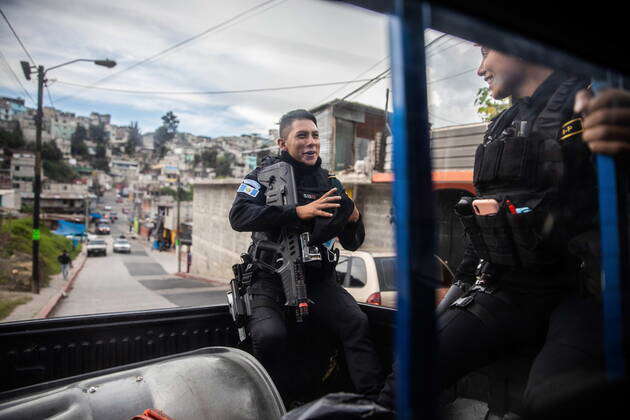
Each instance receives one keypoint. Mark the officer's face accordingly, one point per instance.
(302, 142)
(503, 73)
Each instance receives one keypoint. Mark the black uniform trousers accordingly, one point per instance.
(495, 326)
(335, 309)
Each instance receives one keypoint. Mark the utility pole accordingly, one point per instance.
(178, 241)
(87, 211)
(37, 184)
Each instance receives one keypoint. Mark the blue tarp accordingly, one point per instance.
(95, 215)
(69, 228)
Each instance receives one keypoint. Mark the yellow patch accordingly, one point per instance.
(571, 128)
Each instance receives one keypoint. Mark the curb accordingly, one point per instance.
(52, 303)
(204, 279)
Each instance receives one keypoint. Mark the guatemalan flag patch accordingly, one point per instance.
(248, 189)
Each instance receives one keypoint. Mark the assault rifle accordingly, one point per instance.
(291, 246)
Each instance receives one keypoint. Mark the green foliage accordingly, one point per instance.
(209, 158)
(77, 141)
(12, 139)
(134, 140)
(98, 133)
(59, 171)
(50, 151)
(488, 107)
(8, 304)
(19, 241)
(100, 164)
(184, 195)
(165, 133)
(223, 165)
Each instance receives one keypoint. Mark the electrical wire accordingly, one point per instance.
(178, 45)
(28, 54)
(17, 79)
(17, 37)
(215, 92)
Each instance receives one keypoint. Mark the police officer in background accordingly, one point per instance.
(538, 179)
(323, 205)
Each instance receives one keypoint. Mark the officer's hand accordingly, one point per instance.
(606, 121)
(316, 208)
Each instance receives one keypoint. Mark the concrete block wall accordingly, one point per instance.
(216, 247)
(375, 201)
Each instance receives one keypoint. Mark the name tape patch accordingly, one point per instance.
(571, 128)
(248, 189)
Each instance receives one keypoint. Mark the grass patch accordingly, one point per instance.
(16, 240)
(8, 304)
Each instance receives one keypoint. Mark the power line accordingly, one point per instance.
(17, 79)
(215, 92)
(28, 54)
(157, 55)
(17, 37)
(355, 77)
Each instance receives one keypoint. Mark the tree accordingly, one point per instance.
(12, 139)
(51, 152)
(77, 141)
(209, 158)
(488, 107)
(134, 139)
(223, 166)
(98, 133)
(165, 133)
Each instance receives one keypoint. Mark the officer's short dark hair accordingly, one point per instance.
(288, 118)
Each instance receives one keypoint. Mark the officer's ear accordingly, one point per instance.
(282, 143)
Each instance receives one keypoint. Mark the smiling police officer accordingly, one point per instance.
(537, 181)
(325, 211)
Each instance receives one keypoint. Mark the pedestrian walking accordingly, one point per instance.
(66, 263)
(188, 260)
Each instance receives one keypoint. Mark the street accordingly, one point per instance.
(142, 279)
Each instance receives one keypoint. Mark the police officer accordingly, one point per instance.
(517, 265)
(323, 206)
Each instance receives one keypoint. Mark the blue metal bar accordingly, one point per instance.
(413, 206)
(609, 219)
(614, 249)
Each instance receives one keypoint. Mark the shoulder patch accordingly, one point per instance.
(252, 183)
(571, 128)
(248, 189)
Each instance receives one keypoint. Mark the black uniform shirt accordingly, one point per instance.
(250, 214)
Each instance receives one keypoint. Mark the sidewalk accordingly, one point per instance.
(43, 303)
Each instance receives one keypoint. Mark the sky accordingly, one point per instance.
(245, 44)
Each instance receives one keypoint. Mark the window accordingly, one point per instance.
(351, 272)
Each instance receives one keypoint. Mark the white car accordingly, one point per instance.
(122, 245)
(370, 277)
(96, 246)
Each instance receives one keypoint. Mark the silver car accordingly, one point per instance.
(122, 245)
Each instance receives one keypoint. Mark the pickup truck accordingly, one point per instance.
(96, 247)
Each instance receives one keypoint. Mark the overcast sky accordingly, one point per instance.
(283, 43)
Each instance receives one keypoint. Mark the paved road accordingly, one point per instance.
(135, 281)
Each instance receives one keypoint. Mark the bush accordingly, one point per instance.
(20, 231)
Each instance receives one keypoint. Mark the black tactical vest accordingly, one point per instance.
(526, 165)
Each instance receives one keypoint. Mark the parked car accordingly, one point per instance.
(370, 277)
(119, 200)
(103, 228)
(108, 208)
(122, 245)
(96, 246)
(113, 216)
